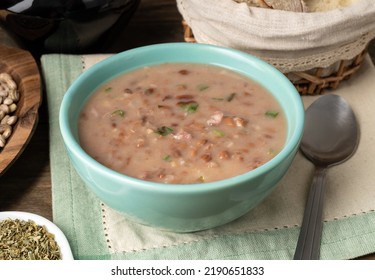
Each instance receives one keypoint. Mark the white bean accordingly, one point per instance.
(5, 77)
(2, 141)
(8, 101)
(4, 108)
(9, 95)
(12, 120)
(7, 131)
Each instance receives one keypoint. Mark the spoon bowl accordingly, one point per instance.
(331, 137)
(331, 131)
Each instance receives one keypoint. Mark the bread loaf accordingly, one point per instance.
(327, 5)
(254, 3)
(300, 5)
(286, 5)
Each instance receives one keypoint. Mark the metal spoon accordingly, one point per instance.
(331, 136)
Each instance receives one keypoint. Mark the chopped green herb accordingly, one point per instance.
(164, 130)
(108, 89)
(190, 108)
(119, 112)
(272, 114)
(218, 133)
(202, 87)
(167, 158)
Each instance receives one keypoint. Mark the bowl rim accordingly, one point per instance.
(73, 146)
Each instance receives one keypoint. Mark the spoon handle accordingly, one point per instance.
(308, 245)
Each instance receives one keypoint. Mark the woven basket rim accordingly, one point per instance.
(312, 81)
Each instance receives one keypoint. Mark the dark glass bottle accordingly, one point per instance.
(66, 26)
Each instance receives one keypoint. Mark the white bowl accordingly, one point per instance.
(66, 252)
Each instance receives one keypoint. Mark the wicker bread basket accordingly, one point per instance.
(309, 79)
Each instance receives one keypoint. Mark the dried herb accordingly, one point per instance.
(218, 133)
(272, 114)
(119, 112)
(108, 89)
(25, 240)
(191, 107)
(167, 158)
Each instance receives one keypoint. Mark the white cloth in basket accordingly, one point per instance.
(288, 40)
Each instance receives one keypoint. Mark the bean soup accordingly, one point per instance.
(182, 124)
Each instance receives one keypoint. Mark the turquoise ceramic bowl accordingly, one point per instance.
(181, 208)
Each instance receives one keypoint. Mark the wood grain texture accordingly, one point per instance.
(21, 65)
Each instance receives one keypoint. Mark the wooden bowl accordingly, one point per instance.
(21, 65)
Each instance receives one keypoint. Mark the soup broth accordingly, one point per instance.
(182, 124)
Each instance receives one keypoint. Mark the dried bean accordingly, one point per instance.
(14, 95)
(7, 101)
(9, 95)
(240, 122)
(181, 87)
(6, 78)
(206, 157)
(2, 128)
(193, 152)
(186, 103)
(184, 72)
(2, 141)
(149, 91)
(12, 107)
(228, 121)
(7, 131)
(4, 108)
(224, 155)
(5, 119)
(140, 143)
(12, 120)
(185, 96)
(196, 126)
(176, 153)
(5, 88)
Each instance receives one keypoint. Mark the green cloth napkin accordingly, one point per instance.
(94, 232)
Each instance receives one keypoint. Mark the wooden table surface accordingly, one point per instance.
(26, 186)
